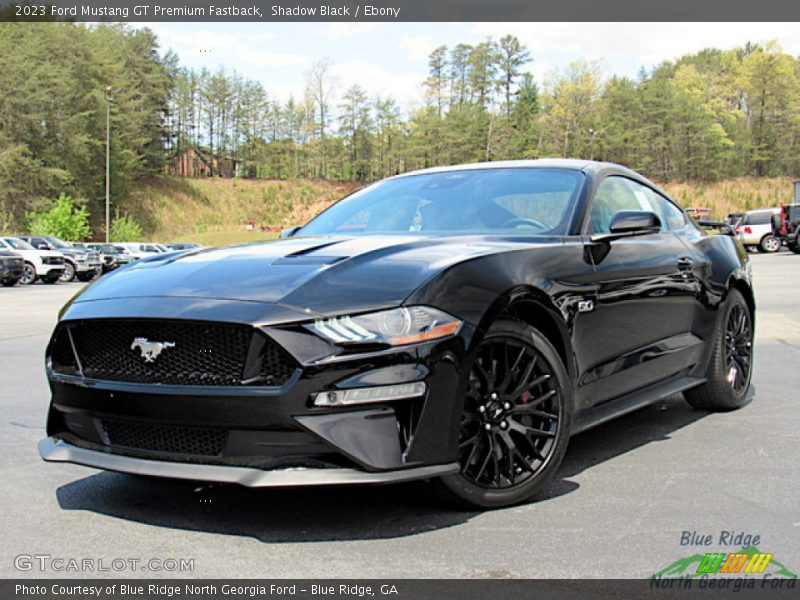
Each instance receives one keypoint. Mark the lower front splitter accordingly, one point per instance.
(56, 450)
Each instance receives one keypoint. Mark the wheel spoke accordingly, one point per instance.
(524, 409)
(482, 374)
(509, 376)
(513, 452)
(497, 454)
(472, 455)
(529, 431)
(538, 381)
(489, 453)
(522, 382)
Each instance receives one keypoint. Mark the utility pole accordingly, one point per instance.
(108, 161)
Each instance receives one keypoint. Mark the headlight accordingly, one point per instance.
(395, 327)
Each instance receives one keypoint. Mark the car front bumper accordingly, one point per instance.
(271, 436)
(44, 270)
(57, 450)
(10, 272)
(86, 267)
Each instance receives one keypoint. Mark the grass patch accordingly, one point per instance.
(733, 195)
(216, 211)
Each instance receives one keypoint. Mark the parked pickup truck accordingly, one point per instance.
(11, 265)
(46, 265)
(78, 263)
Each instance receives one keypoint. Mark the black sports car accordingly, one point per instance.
(455, 323)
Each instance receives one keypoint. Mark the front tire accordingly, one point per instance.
(516, 419)
(50, 278)
(10, 282)
(28, 274)
(731, 366)
(69, 272)
(88, 276)
(769, 244)
(794, 246)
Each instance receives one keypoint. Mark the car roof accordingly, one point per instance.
(590, 167)
(572, 164)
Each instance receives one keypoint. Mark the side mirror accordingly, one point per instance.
(287, 233)
(626, 223)
(634, 222)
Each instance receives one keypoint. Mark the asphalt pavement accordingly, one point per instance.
(619, 506)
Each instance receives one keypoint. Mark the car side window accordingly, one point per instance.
(672, 218)
(615, 194)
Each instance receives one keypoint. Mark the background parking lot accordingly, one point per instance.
(624, 495)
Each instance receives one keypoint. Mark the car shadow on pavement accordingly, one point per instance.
(344, 512)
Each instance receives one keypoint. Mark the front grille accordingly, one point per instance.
(171, 353)
(198, 441)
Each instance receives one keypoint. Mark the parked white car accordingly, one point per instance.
(757, 229)
(81, 263)
(46, 265)
(143, 249)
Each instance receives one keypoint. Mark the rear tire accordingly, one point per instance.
(731, 366)
(516, 419)
(769, 244)
(10, 282)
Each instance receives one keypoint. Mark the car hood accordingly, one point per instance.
(325, 275)
(40, 253)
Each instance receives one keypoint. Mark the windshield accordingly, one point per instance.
(57, 242)
(18, 244)
(479, 201)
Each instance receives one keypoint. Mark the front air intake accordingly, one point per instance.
(169, 352)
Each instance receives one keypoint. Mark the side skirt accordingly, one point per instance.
(596, 415)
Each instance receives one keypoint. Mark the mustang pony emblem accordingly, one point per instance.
(150, 350)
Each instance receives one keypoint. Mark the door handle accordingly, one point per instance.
(685, 263)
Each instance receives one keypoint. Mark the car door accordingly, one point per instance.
(638, 329)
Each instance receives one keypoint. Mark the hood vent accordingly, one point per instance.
(297, 260)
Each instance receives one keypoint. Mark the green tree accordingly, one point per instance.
(512, 54)
(64, 220)
(125, 229)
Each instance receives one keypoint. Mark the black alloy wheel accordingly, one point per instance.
(515, 422)
(738, 349)
(730, 364)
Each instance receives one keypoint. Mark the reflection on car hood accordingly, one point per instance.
(323, 275)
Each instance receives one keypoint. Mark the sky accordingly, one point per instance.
(391, 58)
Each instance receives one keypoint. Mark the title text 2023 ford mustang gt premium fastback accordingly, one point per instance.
(455, 323)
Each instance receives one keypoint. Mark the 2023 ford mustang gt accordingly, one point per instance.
(455, 323)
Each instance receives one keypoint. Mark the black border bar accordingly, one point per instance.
(401, 10)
